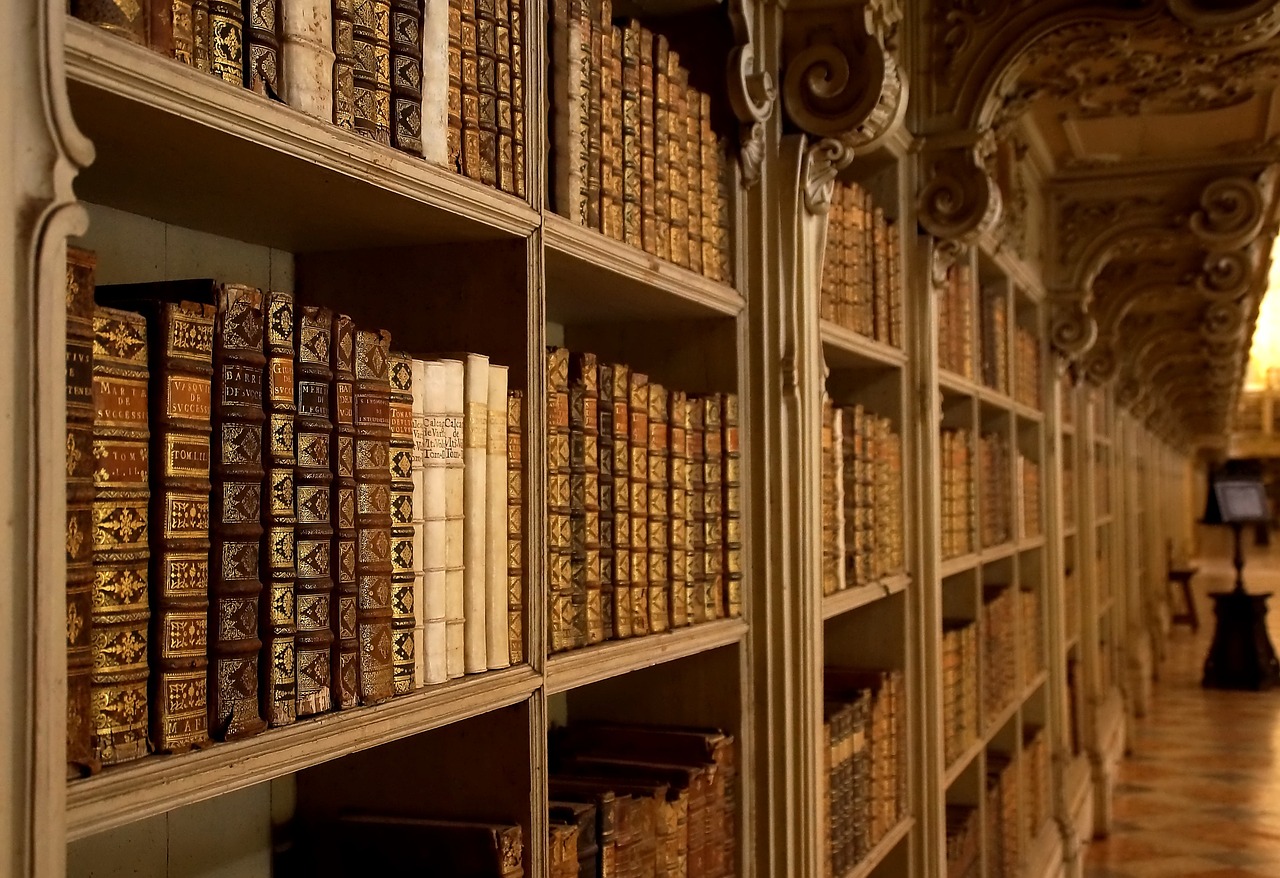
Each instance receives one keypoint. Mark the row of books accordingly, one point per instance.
(1002, 826)
(633, 152)
(644, 507)
(960, 667)
(955, 321)
(994, 327)
(962, 841)
(864, 763)
(958, 507)
(862, 508)
(1035, 779)
(1001, 683)
(862, 267)
(1029, 503)
(441, 80)
(629, 800)
(995, 480)
(271, 514)
(1026, 368)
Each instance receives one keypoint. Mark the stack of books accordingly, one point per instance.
(862, 267)
(962, 841)
(862, 513)
(995, 474)
(955, 321)
(274, 515)
(1001, 816)
(958, 506)
(995, 340)
(633, 152)
(1026, 352)
(1029, 496)
(644, 506)
(959, 686)
(442, 81)
(643, 800)
(1000, 679)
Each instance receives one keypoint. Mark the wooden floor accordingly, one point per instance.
(1200, 793)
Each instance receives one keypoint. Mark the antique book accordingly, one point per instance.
(696, 581)
(632, 136)
(182, 32)
(515, 526)
(307, 56)
(880, 289)
(648, 172)
(584, 497)
(371, 20)
(473, 154)
(569, 112)
(693, 168)
(661, 136)
(406, 75)
(712, 160)
(638, 469)
(654, 805)
(724, 212)
(658, 518)
(605, 496)
(454, 103)
(344, 666)
(604, 95)
(731, 477)
(566, 790)
(832, 515)
(713, 507)
(313, 439)
(582, 816)
(418, 497)
(615, 495)
(560, 610)
(277, 620)
(422, 846)
(226, 40)
(344, 64)
(562, 850)
(121, 17)
(262, 71)
(487, 88)
(442, 519)
(677, 94)
(180, 343)
(201, 36)
(497, 647)
(628, 810)
(613, 222)
(678, 510)
(81, 267)
(121, 528)
(475, 433)
(502, 96)
(437, 83)
(160, 27)
(590, 56)
(517, 97)
(237, 477)
(403, 560)
(373, 514)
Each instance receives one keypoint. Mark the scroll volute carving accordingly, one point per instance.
(752, 92)
(960, 199)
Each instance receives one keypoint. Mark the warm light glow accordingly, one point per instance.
(1265, 353)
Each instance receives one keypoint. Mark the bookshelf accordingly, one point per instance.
(985, 474)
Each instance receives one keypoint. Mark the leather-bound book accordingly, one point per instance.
(365, 844)
(475, 438)
(183, 33)
(584, 496)
(568, 119)
(605, 497)
(344, 64)
(201, 36)
(678, 510)
(418, 497)
(160, 27)
(373, 514)
(262, 69)
(371, 21)
(560, 608)
(615, 382)
(307, 56)
(442, 518)
(724, 213)
(696, 583)
(487, 88)
(515, 526)
(631, 136)
(568, 790)
(581, 815)
(562, 850)
(81, 266)
(658, 520)
(880, 289)
(496, 590)
(502, 95)
(121, 528)
(454, 103)
(614, 225)
(237, 476)
(403, 563)
(344, 664)
(648, 173)
(406, 75)
(277, 620)
(731, 486)
(606, 91)
(677, 88)
(122, 17)
(713, 507)
(226, 40)
(313, 437)
(693, 167)
(711, 163)
(661, 137)
(638, 405)
(517, 97)
(591, 56)
(472, 151)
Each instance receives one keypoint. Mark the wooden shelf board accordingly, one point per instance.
(1001, 719)
(1040, 678)
(1026, 544)
(846, 349)
(853, 598)
(963, 761)
(1070, 530)
(156, 784)
(594, 279)
(995, 398)
(881, 849)
(955, 385)
(581, 667)
(958, 564)
(998, 552)
(184, 147)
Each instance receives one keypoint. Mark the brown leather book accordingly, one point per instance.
(712, 507)
(373, 513)
(731, 485)
(118, 705)
(515, 526)
(486, 87)
(648, 156)
(562, 850)
(366, 844)
(631, 136)
(201, 36)
(678, 509)
(237, 476)
(677, 173)
(371, 20)
(592, 55)
(614, 225)
(502, 105)
(661, 139)
(605, 498)
(455, 85)
(81, 265)
(122, 17)
(615, 427)
(560, 608)
(402, 526)
(582, 816)
(344, 666)
(262, 68)
(575, 791)
(693, 165)
(473, 153)
(344, 64)
(226, 40)
(658, 518)
(313, 436)
(517, 97)
(627, 845)
(712, 160)
(183, 33)
(696, 583)
(160, 27)
(606, 90)
(406, 75)
(180, 324)
(584, 495)
(638, 406)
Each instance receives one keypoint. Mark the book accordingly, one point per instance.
(632, 136)
(226, 40)
(696, 582)
(611, 44)
(160, 27)
(313, 437)
(560, 610)
(454, 104)
(373, 514)
(678, 520)
(371, 29)
(487, 88)
(712, 508)
(277, 613)
(345, 657)
(731, 505)
(425, 846)
(515, 526)
(562, 850)
(568, 125)
(496, 570)
(638, 468)
(659, 594)
(677, 89)
(584, 497)
(201, 36)
(344, 64)
(517, 98)
(418, 497)
(118, 684)
(576, 791)
(694, 170)
(605, 498)
(237, 477)
(583, 817)
(406, 75)
(473, 153)
(592, 57)
(615, 382)
(648, 157)
(475, 435)
(120, 17)
(403, 560)
(306, 54)
(711, 170)
(661, 138)
(81, 268)
(437, 84)
(262, 68)
(442, 517)
(502, 96)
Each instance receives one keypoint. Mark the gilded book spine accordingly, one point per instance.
(160, 27)
(515, 526)
(497, 647)
(616, 382)
(678, 510)
(677, 172)
(559, 567)
(475, 431)
(605, 497)
(693, 166)
(373, 513)
(344, 64)
(661, 140)
(406, 75)
(567, 122)
(648, 172)
(517, 98)
(724, 214)
(262, 47)
(613, 99)
(487, 88)
(121, 528)
(307, 55)
(732, 505)
(313, 438)
(631, 135)
(638, 403)
(472, 150)
(712, 524)
(584, 495)
(442, 519)
(603, 89)
(455, 86)
(403, 559)
(181, 397)
(81, 266)
(418, 497)
(345, 657)
(502, 105)
(183, 33)
(226, 40)
(659, 595)
(235, 586)
(279, 517)
(696, 583)
(589, 83)
(710, 189)
(372, 75)
(201, 36)
(121, 17)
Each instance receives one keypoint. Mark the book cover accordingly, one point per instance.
(605, 497)
(262, 68)
(677, 94)
(713, 507)
(454, 102)
(437, 83)
(592, 57)
(345, 657)
(406, 75)
(568, 113)
(442, 517)
(487, 88)
(562, 850)
(182, 33)
(694, 169)
(731, 482)
(658, 517)
(709, 188)
(473, 154)
(496, 587)
(517, 97)
(661, 140)
(678, 510)
(418, 460)
(638, 468)
(582, 816)
(632, 135)
(226, 40)
(121, 17)
(560, 610)
(344, 64)
(201, 36)
(515, 526)
(615, 381)
(502, 105)
(584, 496)
(475, 437)
(648, 156)
(403, 560)
(696, 583)
(371, 20)
(612, 113)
